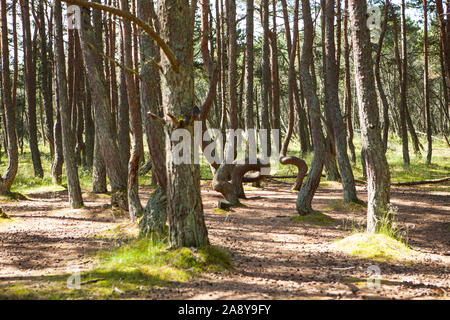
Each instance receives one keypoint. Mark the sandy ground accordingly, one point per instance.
(274, 258)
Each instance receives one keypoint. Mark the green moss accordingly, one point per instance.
(220, 211)
(342, 206)
(317, 219)
(125, 272)
(373, 246)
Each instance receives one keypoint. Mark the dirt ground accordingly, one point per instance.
(274, 257)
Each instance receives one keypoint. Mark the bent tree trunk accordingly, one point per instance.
(378, 176)
(184, 203)
(311, 184)
(10, 115)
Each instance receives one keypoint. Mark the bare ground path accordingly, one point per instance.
(274, 257)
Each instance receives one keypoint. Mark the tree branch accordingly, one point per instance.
(130, 17)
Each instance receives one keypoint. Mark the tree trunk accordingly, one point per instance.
(46, 87)
(333, 108)
(249, 65)
(134, 204)
(184, 203)
(30, 86)
(402, 66)
(311, 184)
(348, 87)
(426, 85)
(155, 213)
(378, 176)
(73, 183)
(10, 115)
(102, 108)
(275, 73)
(266, 86)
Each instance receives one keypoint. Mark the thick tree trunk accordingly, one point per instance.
(184, 203)
(10, 115)
(73, 183)
(333, 108)
(102, 108)
(311, 184)
(378, 176)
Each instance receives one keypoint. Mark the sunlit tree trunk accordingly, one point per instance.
(306, 194)
(184, 203)
(73, 183)
(333, 107)
(378, 176)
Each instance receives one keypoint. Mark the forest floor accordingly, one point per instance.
(274, 256)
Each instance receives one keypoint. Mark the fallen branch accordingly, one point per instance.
(416, 183)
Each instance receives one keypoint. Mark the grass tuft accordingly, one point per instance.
(373, 246)
(317, 219)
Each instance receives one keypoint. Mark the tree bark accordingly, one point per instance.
(378, 176)
(102, 108)
(45, 84)
(30, 87)
(73, 183)
(134, 204)
(333, 108)
(185, 209)
(155, 213)
(306, 194)
(348, 87)
(426, 85)
(10, 115)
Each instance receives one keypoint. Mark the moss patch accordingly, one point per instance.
(342, 206)
(373, 246)
(125, 272)
(317, 219)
